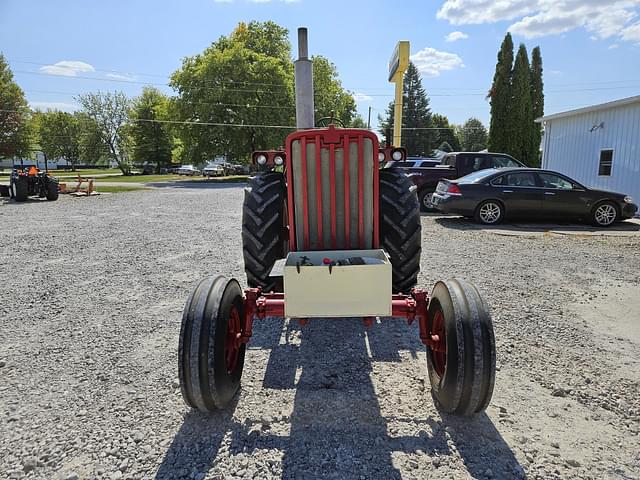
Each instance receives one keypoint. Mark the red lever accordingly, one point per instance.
(326, 261)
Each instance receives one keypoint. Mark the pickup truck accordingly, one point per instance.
(455, 165)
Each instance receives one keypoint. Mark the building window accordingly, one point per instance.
(606, 159)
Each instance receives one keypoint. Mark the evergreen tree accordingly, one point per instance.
(500, 98)
(521, 111)
(446, 133)
(473, 135)
(14, 116)
(152, 140)
(537, 102)
(416, 114)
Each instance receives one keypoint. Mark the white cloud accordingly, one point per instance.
(65, 107)
(536, 18)
(431, 62)
(361, 97)
(613, 46)
(118, 76)
(631, 33)
(68, 68)
(455, 36)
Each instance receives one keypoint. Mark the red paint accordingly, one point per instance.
(319, 193)
(233, 340)
(332, 138)
(361, 192)
(262, 305)
(347, 192)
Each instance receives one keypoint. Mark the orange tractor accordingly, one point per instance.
(328, 234)
(28, 182)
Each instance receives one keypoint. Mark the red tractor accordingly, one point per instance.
(328, 234)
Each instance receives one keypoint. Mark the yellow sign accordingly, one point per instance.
(397, 66)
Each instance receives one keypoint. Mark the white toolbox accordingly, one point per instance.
(343, 291)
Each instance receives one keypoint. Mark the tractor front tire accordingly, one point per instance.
(21, 189)
(400, 228)
(52, 189)
(263, 232)
(211, 357)
(462, 366)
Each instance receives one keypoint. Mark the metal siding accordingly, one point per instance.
(571, 148)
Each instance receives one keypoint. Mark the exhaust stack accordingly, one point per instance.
(305, 112)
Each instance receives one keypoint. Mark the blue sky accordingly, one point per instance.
(590, 48)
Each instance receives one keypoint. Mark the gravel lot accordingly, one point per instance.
(92, 291)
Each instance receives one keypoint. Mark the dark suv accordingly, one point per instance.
(455, 165)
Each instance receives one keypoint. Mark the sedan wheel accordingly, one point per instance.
(605, 215)
(489, 213)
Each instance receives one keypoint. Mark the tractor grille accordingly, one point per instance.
(334, 177)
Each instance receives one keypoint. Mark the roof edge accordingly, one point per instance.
(592, 108)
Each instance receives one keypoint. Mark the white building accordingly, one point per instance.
(599, 146)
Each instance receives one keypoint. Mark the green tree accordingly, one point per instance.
(446, 133)
(417, 136)
(521, 112)
(243, 79)
(473, 135)
(329, 96)
(537, 102)
(110, 114)
(500, 131)
(15, 130)
(152, 141)
(93, 149)
(58, 135)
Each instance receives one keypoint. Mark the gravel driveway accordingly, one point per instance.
(92, 291)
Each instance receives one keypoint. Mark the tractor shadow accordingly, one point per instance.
(336, 426)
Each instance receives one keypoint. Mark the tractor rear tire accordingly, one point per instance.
(52, 189)
(210, 360)
(263, 232)
(21, 189)
(462, 372)
(400, 228)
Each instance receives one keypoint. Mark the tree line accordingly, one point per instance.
(235, 97)
(238, 96)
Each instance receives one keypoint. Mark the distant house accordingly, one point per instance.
(599, 146)
(38, 161)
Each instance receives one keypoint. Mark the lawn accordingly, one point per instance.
(171, 178)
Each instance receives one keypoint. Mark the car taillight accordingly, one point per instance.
(454, 189)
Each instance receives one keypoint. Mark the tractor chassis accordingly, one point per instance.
(260, 305)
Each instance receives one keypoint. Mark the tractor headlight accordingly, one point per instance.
(261, 159)
(628, 199)
(397, 155)
(278, 160)
(381, 157)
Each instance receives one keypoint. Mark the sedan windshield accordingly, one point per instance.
(478, 176)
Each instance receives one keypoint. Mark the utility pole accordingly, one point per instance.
(305, 113)
(369, 119)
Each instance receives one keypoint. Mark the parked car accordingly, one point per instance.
(455, 165)
(213, 171)
(189, 170)
(492, 195)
